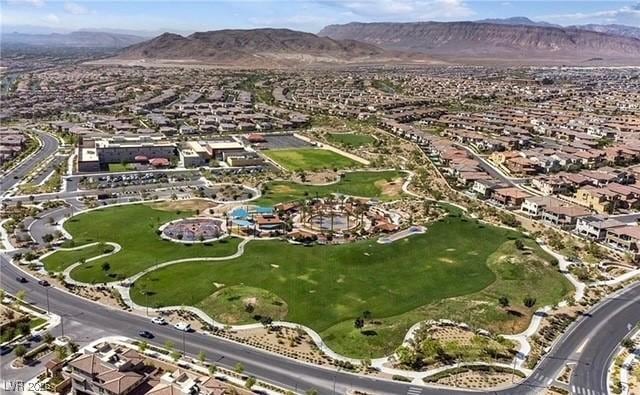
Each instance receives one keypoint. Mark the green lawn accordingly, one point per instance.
(60, 260)
(327, 287)
(134, 228)
(118, 167)
(362, 183)
(350, 139)
(310, 159)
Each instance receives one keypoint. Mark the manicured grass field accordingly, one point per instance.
(310, 159)
(350, 139)
(362, 183)
(118, 167)
(242, 304)
(60, 260)
(134, 228)
(327, 287)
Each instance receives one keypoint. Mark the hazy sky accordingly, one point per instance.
(307, 15)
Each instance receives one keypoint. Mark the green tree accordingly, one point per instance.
(21, 295)
(202, 357)
(143, 346)
(239, 368)
(175, 355)
(529, 301)
(105, 266)
(251, 381)
(20, 351)
(358, 323)
(61, 352)
(629, 344)
(48, 338)
(503, 301)
(212, 369)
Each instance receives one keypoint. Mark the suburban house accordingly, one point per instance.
(510, 196)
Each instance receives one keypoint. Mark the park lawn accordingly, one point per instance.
(60, 260)
(119, 167)
(368, 184)
(517, 275)
(134, 228)
(350, 139)
(240, 304)
(325, 286)
(304, 159)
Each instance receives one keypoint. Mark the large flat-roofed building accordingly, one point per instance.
(93, 155)
(125, 149)
(88, 160)
(234, 153)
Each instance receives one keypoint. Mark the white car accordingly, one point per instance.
(159, 321)
(182, 326)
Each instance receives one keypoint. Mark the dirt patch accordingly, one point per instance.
(321, 177)
(479, 380)
(284, 341)
(200, 205)
(390, 188)
(451, 333)
(9, 315)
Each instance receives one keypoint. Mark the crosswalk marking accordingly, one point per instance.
(584, 391)
(414, 391)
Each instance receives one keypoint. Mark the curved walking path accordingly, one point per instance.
(67, 270)
(380, 363)
(563, 265)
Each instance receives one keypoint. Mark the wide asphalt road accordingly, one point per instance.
(589, 343)
(49, 147)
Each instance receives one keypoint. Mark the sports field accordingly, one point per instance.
(350, 139)
(458, 262)
(134, 228)
(305, 159)
(386, 185)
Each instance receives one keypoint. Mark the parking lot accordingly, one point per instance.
(116, 181)
(280, 141)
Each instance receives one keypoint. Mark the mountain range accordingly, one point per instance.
(259, 48)
(618, 30)
(490, 41)
(85, 39)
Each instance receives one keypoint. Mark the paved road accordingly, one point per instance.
(589, 343)
(48, 148)
(595, 345)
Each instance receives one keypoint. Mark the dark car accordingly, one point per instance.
(44, 283)
(21, 279)
(145, 334)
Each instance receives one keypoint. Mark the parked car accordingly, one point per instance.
(159, 321)
(44, 283)
(182, 326)
(21, 279)
(145, 334)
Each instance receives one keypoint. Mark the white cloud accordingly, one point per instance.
(51, 18)
(628, 15)
(75, 8)
(407, 9)
(34, 3)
